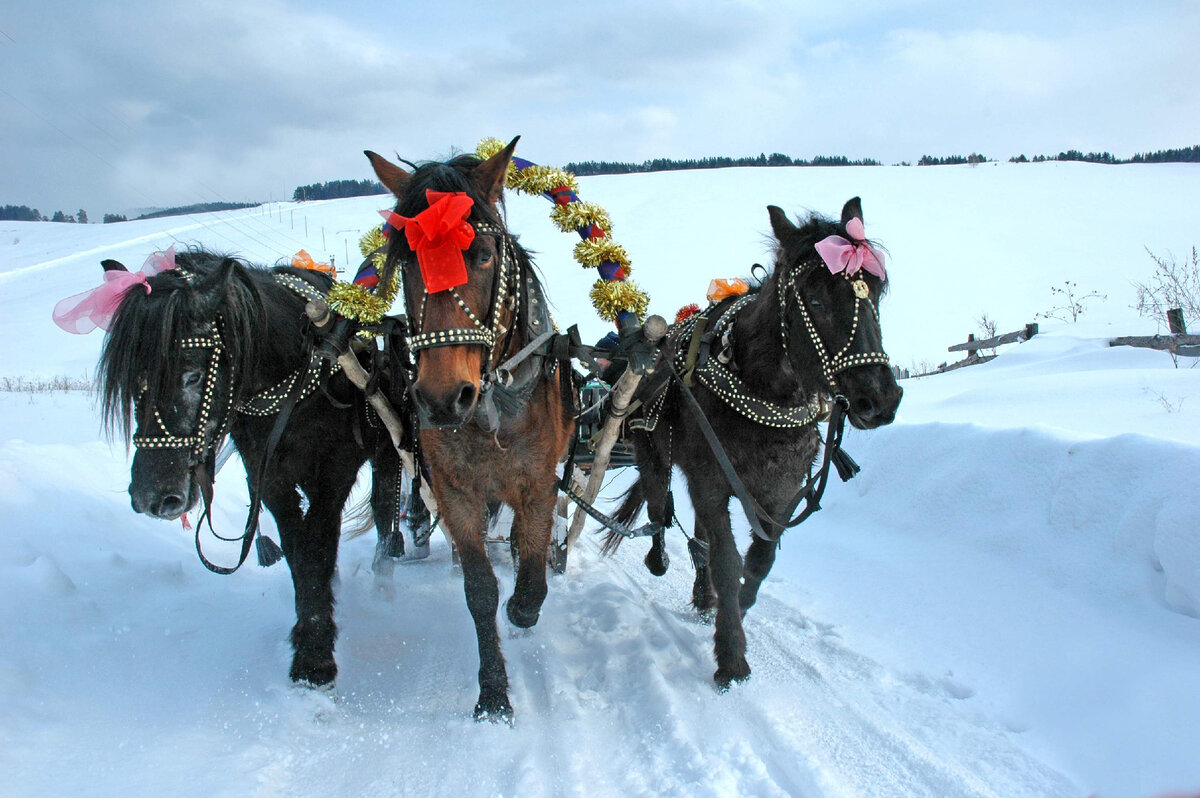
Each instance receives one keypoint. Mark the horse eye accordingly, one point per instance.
(191, 378)
(813, 302)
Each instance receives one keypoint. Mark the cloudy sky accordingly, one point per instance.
(113, 106)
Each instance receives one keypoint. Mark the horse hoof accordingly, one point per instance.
(496, 710)
(419, 552)
(523, 619)
(314, 675)
(657, 565)
(704, 602)
(727, 677)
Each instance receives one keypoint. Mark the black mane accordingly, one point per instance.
(141, 349)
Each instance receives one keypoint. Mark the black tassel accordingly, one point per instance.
(269, 552)
(846, 467)
(699, 551)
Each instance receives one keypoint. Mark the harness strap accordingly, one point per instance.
(754, 511)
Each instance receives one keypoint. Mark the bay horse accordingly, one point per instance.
(214, 346)
(496, 410)
(810, 331)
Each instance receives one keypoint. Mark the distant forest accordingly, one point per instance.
(200, 207)
(338, 189)
(585, 168)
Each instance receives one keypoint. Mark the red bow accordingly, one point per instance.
(439, 235)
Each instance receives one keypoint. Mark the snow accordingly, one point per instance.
(1005, 602)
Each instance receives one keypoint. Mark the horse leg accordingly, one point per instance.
(463, 517)
(310, 547)
(759, 559)
(729, 641)
(655, 475)
(385, 496)
(533, 521)
(704, 598)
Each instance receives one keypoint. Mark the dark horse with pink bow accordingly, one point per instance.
(201, 345)
(760, 370)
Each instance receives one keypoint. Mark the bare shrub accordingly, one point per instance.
(1071, 304)
(1174, 284)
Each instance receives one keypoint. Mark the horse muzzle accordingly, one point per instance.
(451, 407)
(873, 394)
(161, 489)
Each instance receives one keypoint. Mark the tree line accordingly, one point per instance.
(338, 189)
(23, 213)
(586, 168)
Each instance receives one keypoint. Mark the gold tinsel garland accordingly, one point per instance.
(353, 301)
(609, 297)
(592, 252)
(574, 215)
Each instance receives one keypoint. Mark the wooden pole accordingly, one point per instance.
(1175, 321)
(654, 328)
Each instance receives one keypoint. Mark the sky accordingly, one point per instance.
(126, 105)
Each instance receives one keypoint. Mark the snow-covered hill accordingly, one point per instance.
(1006, 602)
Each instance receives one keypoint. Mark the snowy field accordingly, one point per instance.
(1006, 602)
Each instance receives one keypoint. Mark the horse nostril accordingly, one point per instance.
(465, 398)
(864, 407)
(171, 504)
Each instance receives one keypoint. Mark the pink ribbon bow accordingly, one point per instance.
(842, 255)
(82, 313)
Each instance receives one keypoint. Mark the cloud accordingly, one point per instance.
(142, 103)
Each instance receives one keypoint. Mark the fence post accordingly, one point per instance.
(1175, 321)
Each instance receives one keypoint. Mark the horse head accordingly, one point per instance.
(829, 281)
(166, 380)
(460, 276)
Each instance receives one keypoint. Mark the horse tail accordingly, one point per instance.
(633, 500)
(359, 519)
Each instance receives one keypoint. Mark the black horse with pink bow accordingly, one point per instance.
(760, 370)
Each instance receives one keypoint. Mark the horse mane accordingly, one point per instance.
(141, 350)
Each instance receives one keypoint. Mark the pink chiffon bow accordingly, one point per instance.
(842, 255)
(82, 313)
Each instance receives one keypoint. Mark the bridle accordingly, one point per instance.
(201, 442)
(843, 359)
(488, 332)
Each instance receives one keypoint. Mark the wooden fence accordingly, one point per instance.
(1178, 342)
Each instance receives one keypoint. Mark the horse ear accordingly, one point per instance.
(489, 176)
(111, 265)
(781, 225)
(393, 177)
(852, 210)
